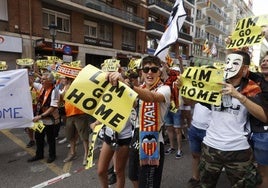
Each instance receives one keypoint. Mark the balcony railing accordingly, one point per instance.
(102, 7)
(155, 26)
(185, 36)
(162, 4)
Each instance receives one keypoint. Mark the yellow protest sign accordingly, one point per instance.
(43, 63)
(92, 145)
(248, 32)
(25, 62)
(38, 126)
(75, 63)
(3, 65)
(201, 84)
(93, 94)
(110, 65)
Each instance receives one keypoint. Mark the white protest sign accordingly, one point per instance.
(16, 109)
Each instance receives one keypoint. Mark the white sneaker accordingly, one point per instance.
(69, 145)
(63, 141)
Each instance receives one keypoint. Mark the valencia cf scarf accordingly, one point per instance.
(149, 131)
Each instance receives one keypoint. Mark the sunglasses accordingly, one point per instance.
(153, 69)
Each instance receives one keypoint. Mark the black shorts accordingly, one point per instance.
(120, 142)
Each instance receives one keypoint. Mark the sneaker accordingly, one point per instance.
(169, 151)
(193, 183)
(30, 144)
(63, 141)
(85, 161)
(179, 155)
(69, 158)
(69, 145)
(112, 179)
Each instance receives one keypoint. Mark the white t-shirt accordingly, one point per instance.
(201, 116)
(226, 130)
(164, 106)
(126, 132)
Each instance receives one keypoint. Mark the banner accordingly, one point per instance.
(94, 95)
(91, 147)
(68, 71)
(201, 84)
(248, 32)
(16, 110)
(171, 34)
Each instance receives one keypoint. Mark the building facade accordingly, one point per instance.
(94, 30)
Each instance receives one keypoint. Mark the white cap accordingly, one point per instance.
(176, 69)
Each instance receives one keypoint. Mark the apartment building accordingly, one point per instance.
(214, 21)
(94, 30)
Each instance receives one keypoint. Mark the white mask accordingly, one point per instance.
(233, 64)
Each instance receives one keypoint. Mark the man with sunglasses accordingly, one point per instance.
(147, 158)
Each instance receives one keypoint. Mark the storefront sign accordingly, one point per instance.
(10, 44)
(59, 47)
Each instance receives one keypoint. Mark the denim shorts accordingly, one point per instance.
(173, 119)
(195, 138)
(259, 142)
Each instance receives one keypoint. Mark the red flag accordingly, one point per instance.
(206, 47)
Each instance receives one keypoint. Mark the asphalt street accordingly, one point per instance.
(16, 172)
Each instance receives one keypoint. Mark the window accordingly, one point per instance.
(90, 29)
(129, 37)
(105, 32)
(61, 20)
(98, 30)
(3, 10)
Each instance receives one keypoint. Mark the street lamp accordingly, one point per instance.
(53, 32)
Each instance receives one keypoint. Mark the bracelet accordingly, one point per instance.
(42, 116)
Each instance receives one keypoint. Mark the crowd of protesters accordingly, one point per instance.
(231, 137)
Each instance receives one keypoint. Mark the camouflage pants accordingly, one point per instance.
(238, 165)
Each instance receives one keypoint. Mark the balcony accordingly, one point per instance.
(229, 8)
(100, 10)
(216, 13)
(201, 4)
(189, 3)
(200, 19)
(160, 7)
(220, 3)
(111, 11)
(215, 28)
(200, 37)
(186, 37)
(155, 28)
(189, 21)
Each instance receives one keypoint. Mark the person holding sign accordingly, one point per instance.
(116, 144)
(76, 126)
(146, 162)
(47, 111)
(226, 143)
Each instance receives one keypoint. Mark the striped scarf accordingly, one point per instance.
(149, 130)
